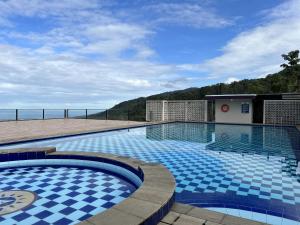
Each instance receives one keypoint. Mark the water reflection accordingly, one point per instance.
(261, 140)
(281, 142)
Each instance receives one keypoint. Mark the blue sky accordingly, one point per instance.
(96, 53)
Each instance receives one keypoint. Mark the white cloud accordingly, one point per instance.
(289, 8)
(78, 60)
(190, 67)
(230, 80)
(138, 83)
(257, 51)
(9, 86)
(90, 33)
(114, 38)
(44, 9)
(54, 80)
(187, 14)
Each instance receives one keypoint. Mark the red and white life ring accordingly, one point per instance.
(225, 108)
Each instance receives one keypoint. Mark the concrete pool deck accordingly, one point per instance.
(12, 131)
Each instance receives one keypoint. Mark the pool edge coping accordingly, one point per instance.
(147, 205)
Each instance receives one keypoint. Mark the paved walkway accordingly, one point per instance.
(182, 214)
(25, 130)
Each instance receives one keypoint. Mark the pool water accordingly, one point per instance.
(63, 195)
(243, 167)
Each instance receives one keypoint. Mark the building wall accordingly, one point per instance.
(234, 114)
(176, 110)
(154, 110)
(282, 112)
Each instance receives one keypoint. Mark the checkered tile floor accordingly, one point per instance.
(65, 195)
(255, 161)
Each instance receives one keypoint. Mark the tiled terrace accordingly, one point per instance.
(25, 130)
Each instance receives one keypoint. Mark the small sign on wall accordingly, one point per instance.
(245, 108)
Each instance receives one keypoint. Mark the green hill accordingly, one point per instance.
(281, 82)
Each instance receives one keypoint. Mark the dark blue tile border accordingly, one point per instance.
(238, 124)
(4, 157)
(30, 155)
(13, 156)
(249, 203)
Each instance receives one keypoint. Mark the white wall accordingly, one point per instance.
(234, 114)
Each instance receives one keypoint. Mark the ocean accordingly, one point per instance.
(30, 114)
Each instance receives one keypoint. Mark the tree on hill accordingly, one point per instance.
(292, 58)
(292, 66)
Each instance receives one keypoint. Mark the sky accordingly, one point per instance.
(97, 53)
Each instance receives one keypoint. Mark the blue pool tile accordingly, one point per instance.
(67, 210)
(40, 155)
(69, 202)
(41, 222)
(63, 221)
(3, 157)
(23, 156)
(13, 156)
(52, 196)
(107, 197)
(88, 208)
(53, 205)
(85, 217)
(31, 155)
(22, 216)
(43, 214)
(108, 205)
(49, 204)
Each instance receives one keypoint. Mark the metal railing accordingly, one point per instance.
(45, 114)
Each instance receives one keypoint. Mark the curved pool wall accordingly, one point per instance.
(152, 199)
(117, 170)
(40, 157)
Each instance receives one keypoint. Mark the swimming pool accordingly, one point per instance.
(243, 167)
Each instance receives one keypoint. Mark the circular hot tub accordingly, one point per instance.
(41, 186)
(61, 191)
